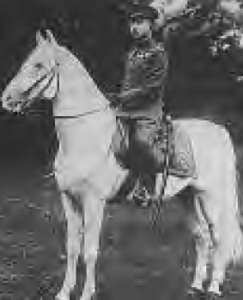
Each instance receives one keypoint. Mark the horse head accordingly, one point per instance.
(52, 72)
(36, 78)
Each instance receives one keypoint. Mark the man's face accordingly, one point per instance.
(140, 28)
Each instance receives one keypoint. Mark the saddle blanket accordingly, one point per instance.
(181, 159)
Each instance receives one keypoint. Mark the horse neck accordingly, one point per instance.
(78, 93)
(78, 96)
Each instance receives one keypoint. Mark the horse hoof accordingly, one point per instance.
(195, 294)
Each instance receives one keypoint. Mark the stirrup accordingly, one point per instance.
(142, 197)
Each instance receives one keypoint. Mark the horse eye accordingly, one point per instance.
(38, 66)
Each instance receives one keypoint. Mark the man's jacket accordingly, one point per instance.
(143, 86)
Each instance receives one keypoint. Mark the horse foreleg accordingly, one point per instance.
(73, 246)
(93, 216)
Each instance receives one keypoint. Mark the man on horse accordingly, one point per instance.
(141, 101)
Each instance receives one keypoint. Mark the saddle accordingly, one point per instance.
(178, 150)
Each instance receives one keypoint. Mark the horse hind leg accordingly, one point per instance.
(226, 224)
(220, 259)
(226, 238)
(73, 245)
(228, 249)
(204, 246)
(219, 264)
(227, 230)
(93, 217)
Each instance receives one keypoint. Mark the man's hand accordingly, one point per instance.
(130, 93)
(117, 100)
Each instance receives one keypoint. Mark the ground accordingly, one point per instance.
(137, 260)
(32, 237)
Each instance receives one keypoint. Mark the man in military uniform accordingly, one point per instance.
(141, 101)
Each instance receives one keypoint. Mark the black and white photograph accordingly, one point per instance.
(121, 149)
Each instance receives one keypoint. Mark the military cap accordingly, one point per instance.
(142, 11)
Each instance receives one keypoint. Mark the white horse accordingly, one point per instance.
(88, 173)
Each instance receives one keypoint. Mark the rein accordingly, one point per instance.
(80, 115)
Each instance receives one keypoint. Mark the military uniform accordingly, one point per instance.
(141, 105)
(142, 102)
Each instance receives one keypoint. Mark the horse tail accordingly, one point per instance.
(231, 215)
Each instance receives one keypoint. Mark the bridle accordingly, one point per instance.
(27, 94)
(53, 74)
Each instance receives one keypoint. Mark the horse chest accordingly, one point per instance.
(77, 157)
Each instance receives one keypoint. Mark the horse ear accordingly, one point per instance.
(39, 37)
(50, 37)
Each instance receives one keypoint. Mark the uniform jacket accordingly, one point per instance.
(143, 86)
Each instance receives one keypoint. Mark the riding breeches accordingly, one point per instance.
(149, 144)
